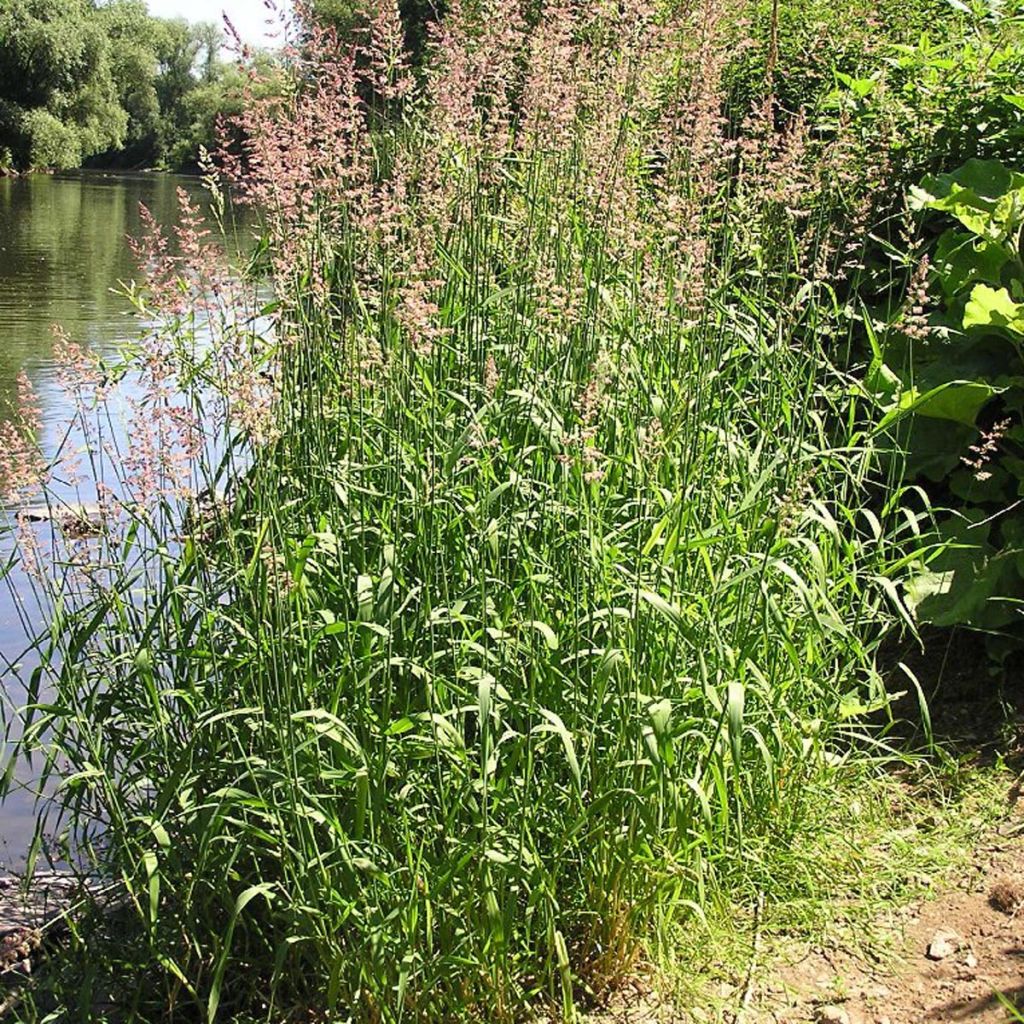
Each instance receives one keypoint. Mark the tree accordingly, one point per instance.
(130, 29)
(187, 63)
(106, 84)
(58, 96)
(349, 19)
(209, 37)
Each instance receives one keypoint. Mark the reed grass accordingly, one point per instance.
(547, 592)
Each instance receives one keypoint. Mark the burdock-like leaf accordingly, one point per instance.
(993, 307)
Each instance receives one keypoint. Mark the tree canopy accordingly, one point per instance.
(59, 98)
(83, 81)
(104, 83)
(350, 17)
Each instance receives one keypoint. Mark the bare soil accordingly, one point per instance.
(946, 958)
(974, 925)
(952, 955)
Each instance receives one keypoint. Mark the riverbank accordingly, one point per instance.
(605, 448)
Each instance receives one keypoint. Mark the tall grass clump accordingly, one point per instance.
(535, 573)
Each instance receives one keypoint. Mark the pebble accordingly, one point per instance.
(944, 944)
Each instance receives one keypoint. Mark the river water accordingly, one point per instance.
(63, 254)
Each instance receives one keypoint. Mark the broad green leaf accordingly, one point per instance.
(991, 485)
(989, 180)
(957, 400)
(882, 383)
(961, 585)
(993, 307)
(962, 259)
(860, 87)
(985, 196)
(960, 401)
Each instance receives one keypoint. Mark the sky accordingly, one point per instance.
(248, 16)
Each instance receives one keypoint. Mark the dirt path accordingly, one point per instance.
(952, 954)
(944, 958)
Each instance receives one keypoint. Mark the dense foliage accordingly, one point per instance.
(945, 116)
(81, 80)
(456, 627)
(949, 373)
(349, 19)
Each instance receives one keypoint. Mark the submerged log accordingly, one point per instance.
(57, 513)
(34, 912)
(76, 521)
(46, 898)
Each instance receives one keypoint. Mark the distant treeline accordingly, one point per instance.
(104, 83)
(88, 82)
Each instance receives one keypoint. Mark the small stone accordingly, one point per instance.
(944, 944)
(832, 1015)
(970, 961)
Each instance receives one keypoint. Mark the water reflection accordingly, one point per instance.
(63, 252)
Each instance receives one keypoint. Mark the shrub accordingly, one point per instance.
(934, 101)
(805, 44)
(950, 363)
